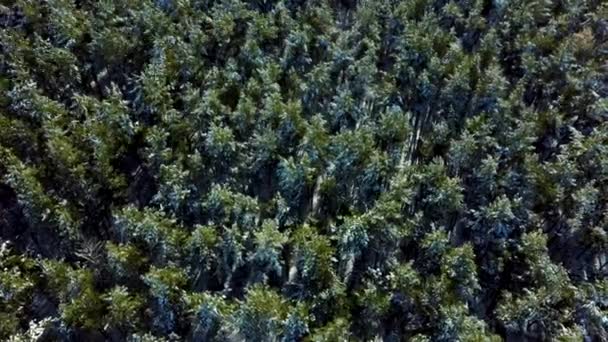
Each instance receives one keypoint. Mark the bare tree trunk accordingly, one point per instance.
(348, 267)
(411, 145)
(293, 270)
(316, 196)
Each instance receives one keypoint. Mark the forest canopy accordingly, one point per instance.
(293, 170)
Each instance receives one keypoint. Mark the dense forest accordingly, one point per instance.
(303, 170)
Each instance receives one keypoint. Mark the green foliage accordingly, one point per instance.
(459, 268)
(16, 285)
(165, 287)
(269, 243)
(124, 260)
(303, 170)
(336, 330)
(313, 258)
(81, 304)
(209, 315)
(261, 316)
(123, 308)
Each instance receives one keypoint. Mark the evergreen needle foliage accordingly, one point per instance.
(303, 170)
